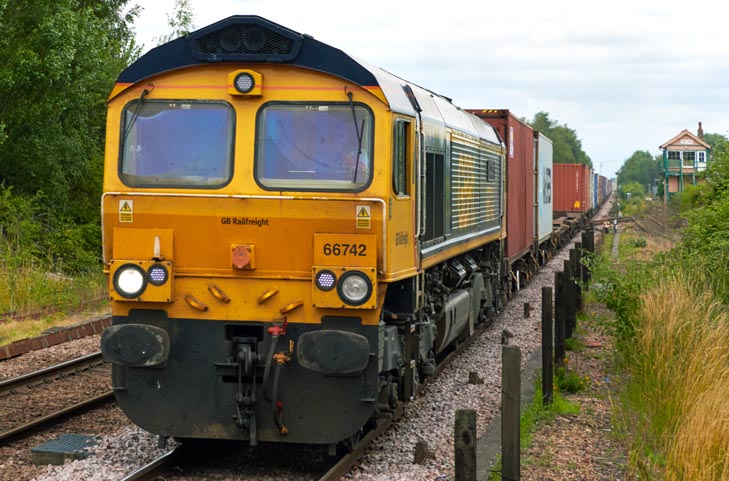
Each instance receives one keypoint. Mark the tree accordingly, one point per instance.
(567, 147)
(181, 21)
(60, 60)
(641, 167)
(719, 144)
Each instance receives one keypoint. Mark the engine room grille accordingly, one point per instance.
(245, 38)
(475, 186)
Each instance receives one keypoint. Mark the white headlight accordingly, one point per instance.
(130, 280)
(244, 82)
(354, 288)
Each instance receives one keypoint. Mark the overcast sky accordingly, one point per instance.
(625, 75)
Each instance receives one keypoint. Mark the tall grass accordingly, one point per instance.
(33, 300)
(29, 289)
(679, 388)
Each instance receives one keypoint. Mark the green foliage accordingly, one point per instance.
(60, 60)
(567, 148)
(620, 291)
(719, 143)
(635, 189)
(632, 198)
(181, 21)
(30, 235)
(28, 288)
(638, 242)
(706, 209)
(569, 381)
(573, 344)
(693, 196)
(20, 228)
(641, 168)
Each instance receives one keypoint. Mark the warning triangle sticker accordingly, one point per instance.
(125, 207)
(363, 212)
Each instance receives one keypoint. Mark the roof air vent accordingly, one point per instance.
(245, 38)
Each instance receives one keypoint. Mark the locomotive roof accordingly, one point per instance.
(250, 38)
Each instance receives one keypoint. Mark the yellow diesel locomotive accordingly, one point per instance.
(291, 236)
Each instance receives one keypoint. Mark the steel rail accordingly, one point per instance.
(56, 417)
(57, 370)
(151, 470)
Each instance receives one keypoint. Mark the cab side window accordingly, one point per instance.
(400, 180)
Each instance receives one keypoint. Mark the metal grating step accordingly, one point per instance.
(65, 446)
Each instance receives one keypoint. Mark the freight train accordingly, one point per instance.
(293, 237)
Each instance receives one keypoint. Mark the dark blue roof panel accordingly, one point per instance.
(247, 38)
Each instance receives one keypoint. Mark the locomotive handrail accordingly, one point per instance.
(258, 197)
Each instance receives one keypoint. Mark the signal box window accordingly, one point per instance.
(314, 147)
(177, 144)
(400, 157)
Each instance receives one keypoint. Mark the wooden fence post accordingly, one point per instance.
(586, 254)
(560, 308)
(575, 260)
(570, 310)
(510, 412)
(547, 349)
(465, 444)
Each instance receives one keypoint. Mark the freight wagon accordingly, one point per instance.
(572, 189)
(543, 229)
(518, 137)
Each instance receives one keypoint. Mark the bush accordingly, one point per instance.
(569, 381)
(29, 235)
(638, 242)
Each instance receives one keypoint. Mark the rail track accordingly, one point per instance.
(22, 385)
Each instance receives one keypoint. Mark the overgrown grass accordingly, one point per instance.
(34, 299)
(672, 331)
(680, 379)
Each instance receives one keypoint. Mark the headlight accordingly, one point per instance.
(130, 280)
(157, 274)
(354, 288)
(244, 82)
(325, 280)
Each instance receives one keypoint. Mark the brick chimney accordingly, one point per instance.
(700, 132)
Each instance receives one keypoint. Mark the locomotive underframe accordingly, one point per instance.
(212, 393)
(440, 308)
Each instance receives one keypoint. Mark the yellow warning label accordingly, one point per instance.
(577, 204)
(126, 211)
(363, 217)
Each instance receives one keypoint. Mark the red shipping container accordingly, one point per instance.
(519, 140)
(571, 188)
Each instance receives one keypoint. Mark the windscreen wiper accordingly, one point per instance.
(359, 131)
(135, 114)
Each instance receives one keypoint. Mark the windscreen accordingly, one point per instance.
(314, 147)
(177, 144)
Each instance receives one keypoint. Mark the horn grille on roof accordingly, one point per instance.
(245, 38)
